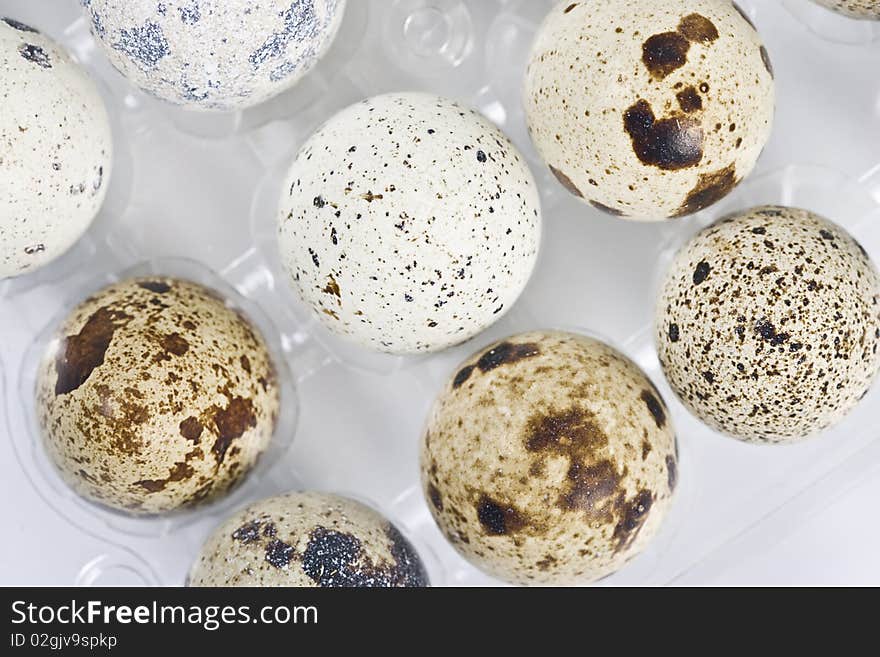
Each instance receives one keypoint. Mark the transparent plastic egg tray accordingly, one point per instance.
(195, 195)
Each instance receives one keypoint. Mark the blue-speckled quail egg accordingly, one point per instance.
(308, 540)
(409, 223)
(768, 324)
(865, 9)
(214, 54)
(649, 109)
(57, 150)
(549, 458)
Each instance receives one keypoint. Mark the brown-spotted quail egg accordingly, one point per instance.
(768, 324)
(308, 540)
(409, 223)
(155, 395)
(549, 458)
(214, 54)
(649, 110)
(57, 150)
(866, 9)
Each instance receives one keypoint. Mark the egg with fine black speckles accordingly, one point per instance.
(214, 54)
(768, 324)
(864, 9)
(57, 150)
(308, 540)
(409, 223)
(154, 394)
(649, 110)
(549, 458)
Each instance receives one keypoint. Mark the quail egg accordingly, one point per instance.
(409, 223)
(867, 9)
(768, 324)
(649, 110)
(213, 54)
(57, 150)
(155, 395)
(308, 540)
(549, 458)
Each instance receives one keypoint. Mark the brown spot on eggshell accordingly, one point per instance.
(566, 182)
(689, 100)
(499, 519)
(179, 472)
(435, 496)
(506, 353)
(191, 429)
(159, 287)
(462, 376)
(698, 29)
(655, 407)
(614, 212)
(710, 188)
(174, 344)
(332, 287)
(664, 53)
(670, 144)
(231, 423)
(79, 355)
(633, 514)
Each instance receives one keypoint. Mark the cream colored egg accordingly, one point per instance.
(866, 9)
(308, 540)
(155, 395)
(57, 150)
(549, 458)
(409, 223)
(214, 54)
(649, 110)
(768, 324)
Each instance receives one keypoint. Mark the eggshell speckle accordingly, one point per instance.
(868, 9)
(549, 458)
(214, 54)
(155, 395)
(409, 223)
(57, 150)
(308, 540)
(768, 324)
(649, 110)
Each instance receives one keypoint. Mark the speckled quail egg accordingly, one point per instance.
(155, 395)
(308, 539)
(866, 9)
(768, 324)
(649, 110)
(549, 458)
(409, 223)
(214, 54)
(57, 150)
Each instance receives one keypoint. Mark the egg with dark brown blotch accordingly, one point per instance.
(649, 110)
(308, 540)
(864, 9)
(549, 458)
(154, 395)
(768, 324)
(57, 155)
